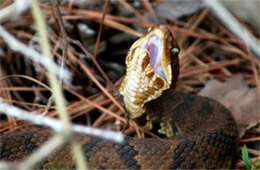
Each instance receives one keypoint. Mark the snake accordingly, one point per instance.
(198, 131)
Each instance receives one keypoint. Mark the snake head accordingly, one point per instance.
(152, 67)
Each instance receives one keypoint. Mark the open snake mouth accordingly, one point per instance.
(149, 69)
(153, 45)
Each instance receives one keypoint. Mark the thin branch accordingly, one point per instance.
(100, 28)
(67, 39)
(133, 10)
(98, 40)
(57, 92)
(48, 106)
(149, 8)
(34, 55)
(213, 66)
(57, 125)
(79, 44)
(14, 10)
(234, 25)
(89, 55)
(110, 113)
(64, 51)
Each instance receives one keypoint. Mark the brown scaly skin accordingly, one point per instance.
(206, 137)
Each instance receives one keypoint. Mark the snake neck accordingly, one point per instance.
(152, 68)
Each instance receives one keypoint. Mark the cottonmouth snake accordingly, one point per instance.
(205, 134)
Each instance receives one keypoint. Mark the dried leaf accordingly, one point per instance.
(178, 8)
(242, 101)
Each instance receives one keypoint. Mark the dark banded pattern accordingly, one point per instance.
(207, 138)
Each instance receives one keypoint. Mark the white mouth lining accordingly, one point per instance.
(153, 46)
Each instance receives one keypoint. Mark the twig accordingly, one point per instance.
(203, 35)
(241, 163)
(211, 67)
(96, 15)
(149, 8)
(100, 28)
(87, 53)
(26, 77)
(110, 112)
(64, 51)
(57, 125)
(57, 92)
(48, 106)
(34, 55)
(14, 10)
(234, 25)
(110, 22)
(253, 139)
(67, 39)
(132, 9)
(98, 40)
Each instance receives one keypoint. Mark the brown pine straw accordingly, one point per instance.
(253, 139)
(197, 65)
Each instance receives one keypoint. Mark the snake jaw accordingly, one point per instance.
(149, 69)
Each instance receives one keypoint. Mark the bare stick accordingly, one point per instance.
(234, 25)
(57, 92)
(89, 55)
(64, 51)
(67, 39)
(34, 55)
(57, 125)
(14, 10)
(78, 43)
(100, 28)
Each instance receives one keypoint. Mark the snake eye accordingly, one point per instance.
(149, 29)
(174, 51)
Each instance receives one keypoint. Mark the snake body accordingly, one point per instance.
(205, 134)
